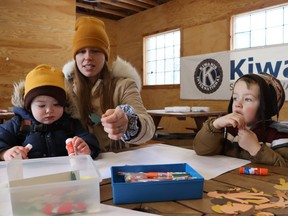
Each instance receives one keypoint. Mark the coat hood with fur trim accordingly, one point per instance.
(71, 107)
(120, 68)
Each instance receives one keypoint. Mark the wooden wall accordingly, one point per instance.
(32, 32)
(205, 28)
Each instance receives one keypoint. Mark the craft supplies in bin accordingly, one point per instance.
(49, 186)
(154, 191)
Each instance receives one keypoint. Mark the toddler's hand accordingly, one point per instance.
(14, 152)
(81, 146)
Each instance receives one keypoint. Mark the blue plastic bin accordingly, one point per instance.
(138, 192)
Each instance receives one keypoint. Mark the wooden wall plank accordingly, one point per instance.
(33, 32)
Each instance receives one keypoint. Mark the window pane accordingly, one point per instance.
(160, 41)
(177, 51)
(169, 52)
(169, 39)
(286, 34)
(160, 54)
(169, 65)
(286, 16)
(274, 17)
(160, 66)
(258, 20)
(242, 40)
(160, 78)
(242, 23)
(177, 76)
(177, 64)
(151, 67)
(151, 55)
(274, 36)
(169, 77)
(151, 79)
(151, 43)
(176, 38)
(257, 38)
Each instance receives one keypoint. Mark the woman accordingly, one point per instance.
(109, 101)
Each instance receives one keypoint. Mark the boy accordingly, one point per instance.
(248, 131)
(45, 116)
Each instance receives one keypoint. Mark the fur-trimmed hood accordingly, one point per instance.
(71, 107)
(120, 68)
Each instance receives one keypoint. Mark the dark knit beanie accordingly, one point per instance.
(272, 93)
(90, 32)
(44, 80)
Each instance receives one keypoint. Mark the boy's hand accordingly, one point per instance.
(235, 120)
(248, 140)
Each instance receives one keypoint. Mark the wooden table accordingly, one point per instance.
(5, 116)
(202, 206)
(199, 117)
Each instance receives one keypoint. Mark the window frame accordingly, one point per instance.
(145, 73)
(254, 12)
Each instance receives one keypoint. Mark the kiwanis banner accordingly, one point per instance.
(211, 76)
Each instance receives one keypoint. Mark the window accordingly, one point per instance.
(260, 28)
(162, 58)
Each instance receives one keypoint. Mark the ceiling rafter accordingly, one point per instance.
(91, 7)
(115, 9)
(120, 5)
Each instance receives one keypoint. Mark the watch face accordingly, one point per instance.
(208, 76)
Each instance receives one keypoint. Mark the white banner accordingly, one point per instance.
(211, 76)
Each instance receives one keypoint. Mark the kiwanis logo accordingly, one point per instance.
(208, 76)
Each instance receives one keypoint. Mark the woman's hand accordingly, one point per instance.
(115, 123)
(235, 120)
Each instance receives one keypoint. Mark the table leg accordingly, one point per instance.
(199, 121)
(156, 120)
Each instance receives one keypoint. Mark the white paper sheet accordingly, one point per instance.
(208, 166)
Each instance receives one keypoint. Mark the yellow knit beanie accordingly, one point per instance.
(90, 32)
(44, 80)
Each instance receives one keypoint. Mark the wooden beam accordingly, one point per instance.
(120, 5)
(107, 11)
(135, 3)
(149, 2)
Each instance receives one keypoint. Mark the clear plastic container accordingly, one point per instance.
(49, 184)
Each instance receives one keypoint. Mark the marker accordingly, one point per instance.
(155, 176)
(253, 171)
(166, 174)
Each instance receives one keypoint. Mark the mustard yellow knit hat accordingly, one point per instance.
(44, 80)
(90, 32)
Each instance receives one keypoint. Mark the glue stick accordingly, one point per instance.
(253, 171)
(70, 147)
